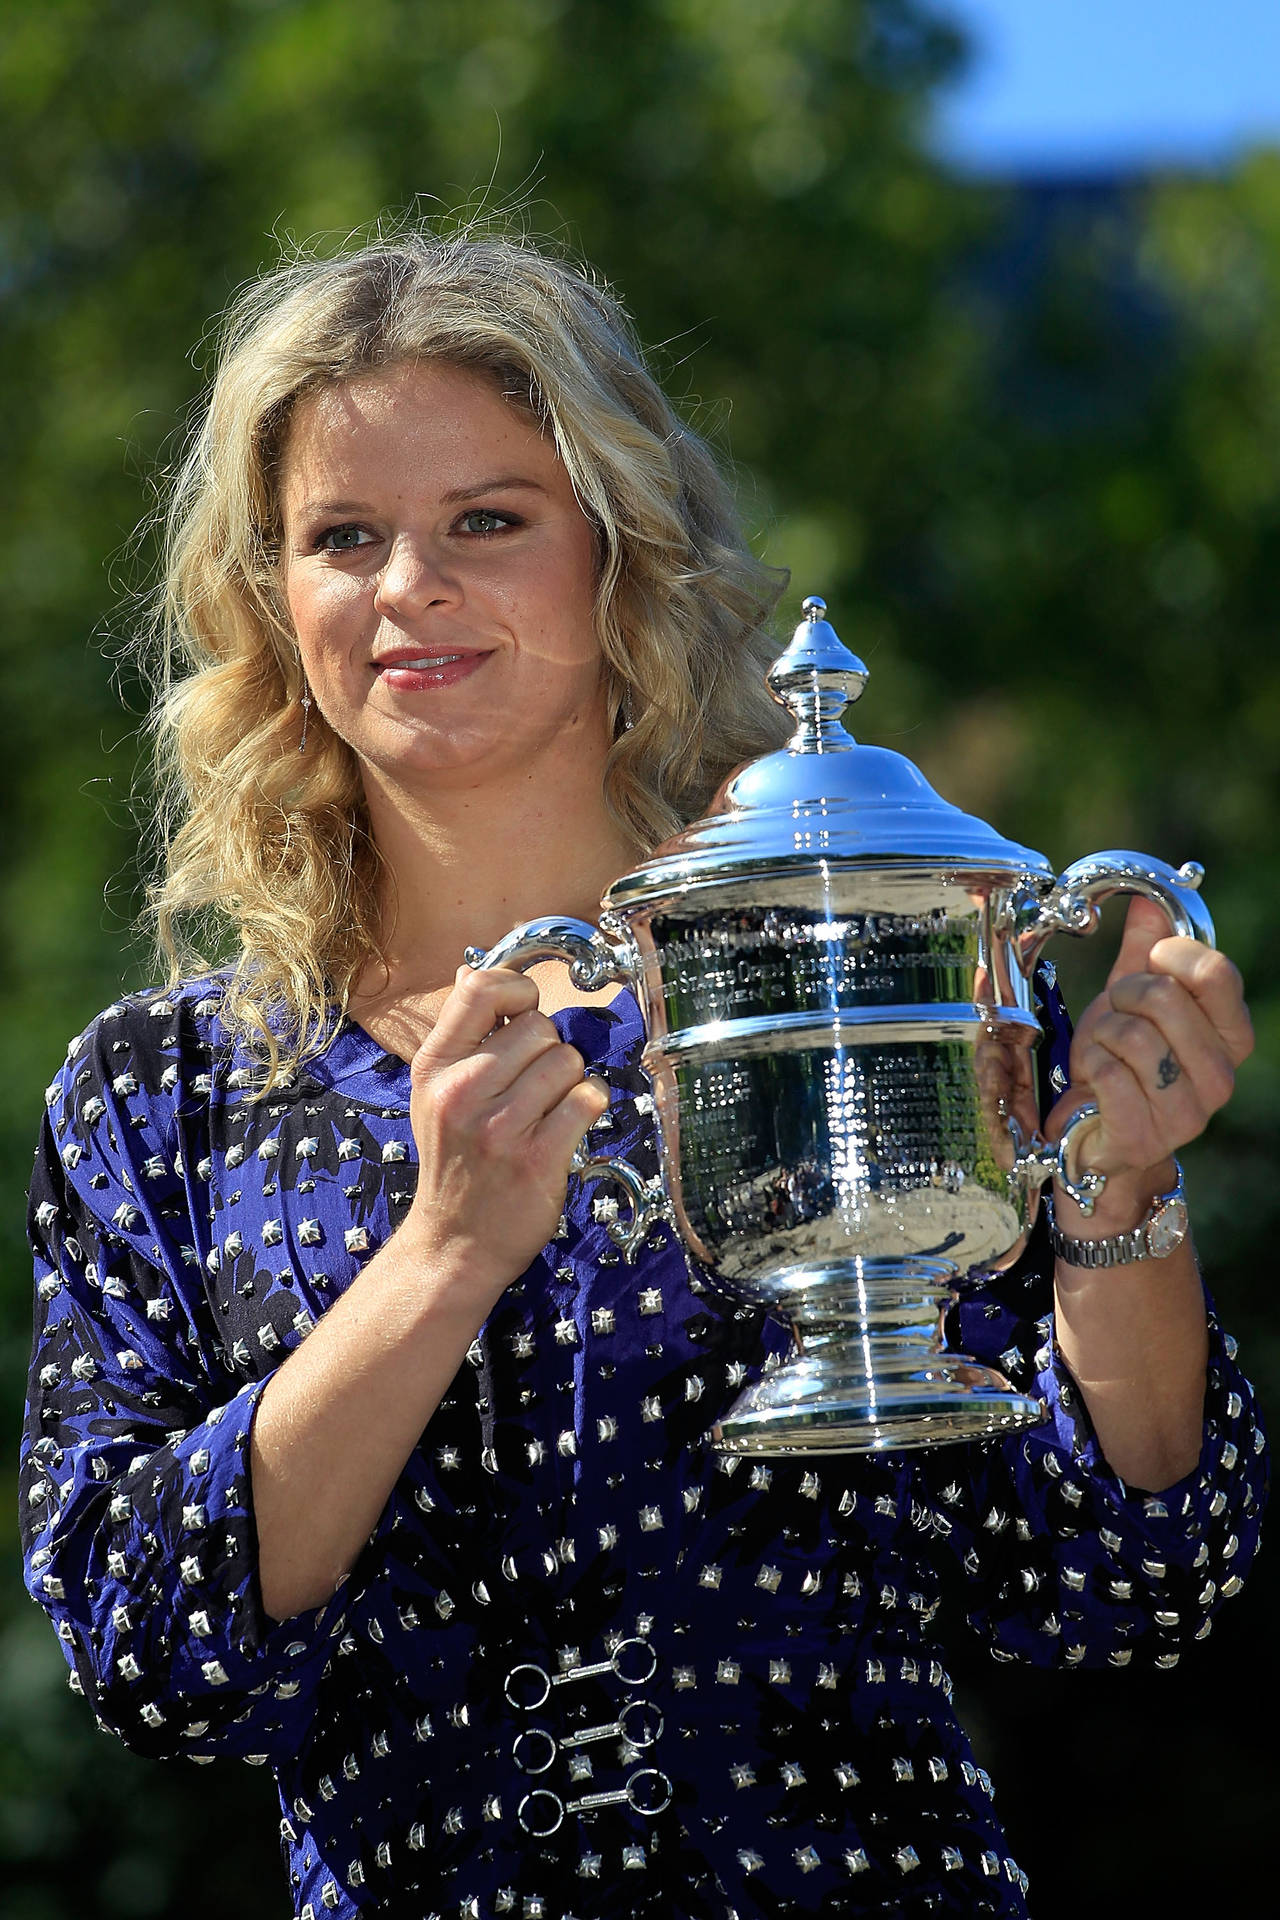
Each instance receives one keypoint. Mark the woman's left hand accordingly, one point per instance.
(1158, 1049)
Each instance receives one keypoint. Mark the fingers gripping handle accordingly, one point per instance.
(594, 961)
(1071, 906)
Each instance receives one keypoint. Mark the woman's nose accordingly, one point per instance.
(414, 578)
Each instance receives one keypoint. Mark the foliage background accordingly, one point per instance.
(1025, 441)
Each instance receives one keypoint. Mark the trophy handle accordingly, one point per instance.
(650, 1206)
(594, 961)
(1070, 905)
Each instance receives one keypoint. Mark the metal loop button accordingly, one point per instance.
(639, 1723)
(540, 1812)
(647, 1792)
(632, 1661)
(534, 1750)
(654, 1796)
(639, 1665)
(526, 1687)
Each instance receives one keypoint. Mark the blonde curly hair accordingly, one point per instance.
(274, 847)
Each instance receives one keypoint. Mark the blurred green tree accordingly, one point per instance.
(1025, 444)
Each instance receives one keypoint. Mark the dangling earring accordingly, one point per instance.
(306, 716)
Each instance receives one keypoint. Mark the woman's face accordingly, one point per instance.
(440, 575)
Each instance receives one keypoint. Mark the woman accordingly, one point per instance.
(352, 1445)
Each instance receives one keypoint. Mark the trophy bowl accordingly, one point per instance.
(835, 970)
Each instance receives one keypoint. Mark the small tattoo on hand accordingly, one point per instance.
(1168, 1071)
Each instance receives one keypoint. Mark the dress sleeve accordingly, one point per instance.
(1065, 1564)
(136, 1502)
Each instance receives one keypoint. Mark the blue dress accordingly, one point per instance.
(584, 1666)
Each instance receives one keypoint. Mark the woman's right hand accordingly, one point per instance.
(498, 1105)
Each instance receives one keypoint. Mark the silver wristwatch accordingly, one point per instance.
(1154, 1237)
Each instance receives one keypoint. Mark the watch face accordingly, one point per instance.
(1167, 1229)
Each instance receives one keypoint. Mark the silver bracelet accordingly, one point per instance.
(1163, 1227)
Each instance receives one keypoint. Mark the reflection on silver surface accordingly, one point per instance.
(835, 973)
(830, 1086)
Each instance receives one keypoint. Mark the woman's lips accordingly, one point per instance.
(416, 673)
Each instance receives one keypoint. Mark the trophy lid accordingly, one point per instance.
(823, 798)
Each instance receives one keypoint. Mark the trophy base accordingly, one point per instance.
(825, 1403)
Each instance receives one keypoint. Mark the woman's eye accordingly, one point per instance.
(342, 539)
(484, 520)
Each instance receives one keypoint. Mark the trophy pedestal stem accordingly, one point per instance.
(871, 1374)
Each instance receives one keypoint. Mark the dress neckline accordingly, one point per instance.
(370, 1073)
(561, 1017)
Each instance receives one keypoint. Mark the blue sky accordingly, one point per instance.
(1071, 85)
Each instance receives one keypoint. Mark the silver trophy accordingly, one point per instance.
(835, 971)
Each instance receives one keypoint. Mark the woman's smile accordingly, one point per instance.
(411, 672)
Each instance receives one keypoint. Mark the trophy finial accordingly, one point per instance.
(815, 680)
